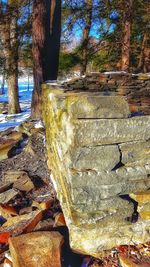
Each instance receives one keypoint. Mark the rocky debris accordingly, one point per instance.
(18, 179)
(7, 211)
(24, 183)
(8, 196)
(132, 261)
(97, 163)
(22, 223)
(41, 249)
(31, 127)
(45, 225)
(59, 219)
(7, 142)
(134, 87)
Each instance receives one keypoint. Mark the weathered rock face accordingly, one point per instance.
(99, 157)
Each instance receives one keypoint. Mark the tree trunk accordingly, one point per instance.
(12, 80)
(46, 31)
(13, 103)
(86, 32)
(38, 38)
(144, 60)
(127, 23)
(10, 43)
(52, 39)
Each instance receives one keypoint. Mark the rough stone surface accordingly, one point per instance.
(91, 105)
(101, 158)
(39, 249)
(106, 131)
(98, 163)
(135, 153)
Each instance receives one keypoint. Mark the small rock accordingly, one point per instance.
(5, 197)
(44, 204)
(7, 211)
(7, 142)
(22, 224)
(9, 177)
(59, 220)
(45, 225)
(26, 210)
(24, 183)
(40, 249)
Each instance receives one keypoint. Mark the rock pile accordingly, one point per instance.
(100, 161)
(27, 203)
(136, 88)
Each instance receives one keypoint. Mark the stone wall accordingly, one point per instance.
(100, 160)
(136, 88)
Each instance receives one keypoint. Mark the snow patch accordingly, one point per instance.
(25, 96)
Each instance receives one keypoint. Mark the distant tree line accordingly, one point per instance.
(41, 34)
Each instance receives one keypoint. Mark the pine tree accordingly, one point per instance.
(9, 33)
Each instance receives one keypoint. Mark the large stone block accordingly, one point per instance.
(89, 105)
(86, 193)
(97, 156)
(107, 131)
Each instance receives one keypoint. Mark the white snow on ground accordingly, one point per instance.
(25, 95)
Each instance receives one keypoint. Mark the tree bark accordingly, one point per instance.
(142, 54)
(52, 39)
(86, 32)
(38, 39)
(127, 24)
(46, 32)
(10, 43)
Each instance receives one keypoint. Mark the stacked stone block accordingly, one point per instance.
(136, 88)
(100, 161)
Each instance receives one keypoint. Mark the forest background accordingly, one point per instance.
(51, 38)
